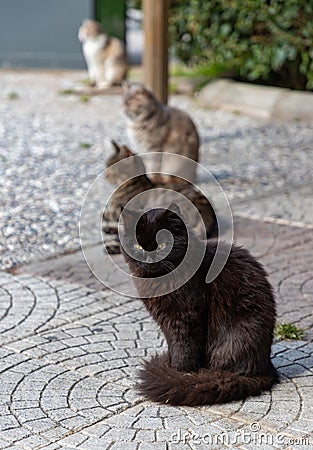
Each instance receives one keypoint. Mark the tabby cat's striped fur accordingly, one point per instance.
(131, 187)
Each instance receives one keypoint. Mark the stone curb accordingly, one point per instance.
(265, 102)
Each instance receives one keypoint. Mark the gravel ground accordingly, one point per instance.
(53, 146)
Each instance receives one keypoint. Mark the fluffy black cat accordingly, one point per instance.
(219, 334)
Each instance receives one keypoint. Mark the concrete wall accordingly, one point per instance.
(42, 33)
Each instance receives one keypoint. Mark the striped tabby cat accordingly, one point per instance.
(130, 186)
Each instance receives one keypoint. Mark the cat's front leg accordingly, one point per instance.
(91, 73)
(186, 353)
(110, 227)
(109, 222)
(113, 246)
(95, 74)
(184, 358)
(104, 85)
(99, 75)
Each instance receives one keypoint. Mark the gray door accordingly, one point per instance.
(42, 33)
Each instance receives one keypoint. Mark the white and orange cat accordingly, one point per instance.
(105, 56)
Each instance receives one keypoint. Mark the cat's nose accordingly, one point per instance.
(149, 258)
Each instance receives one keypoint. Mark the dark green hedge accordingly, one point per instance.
(254, 40)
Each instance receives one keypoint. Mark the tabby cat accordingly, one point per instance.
(131, 187)
(158, 128)
(219, 334)
(105, 56)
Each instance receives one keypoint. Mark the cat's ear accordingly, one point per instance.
(126, 85)
(174, 208)
(145, 91)
(129, 216)
(127, 153)
(116, 146)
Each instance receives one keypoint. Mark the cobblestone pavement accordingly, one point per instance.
(290, 205)
(68, 370)
(70, 348)
(286, 252)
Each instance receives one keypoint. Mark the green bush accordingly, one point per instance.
(255, 40)
(288, 331)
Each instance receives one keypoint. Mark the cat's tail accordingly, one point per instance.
(162, 384)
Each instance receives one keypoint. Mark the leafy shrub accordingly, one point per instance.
(254, 40)
(288, 331)
(134, 4)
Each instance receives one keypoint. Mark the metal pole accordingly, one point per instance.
(156, 47)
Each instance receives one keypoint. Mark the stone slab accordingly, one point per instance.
(258, 101)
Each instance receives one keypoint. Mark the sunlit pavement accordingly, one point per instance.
(70, 348)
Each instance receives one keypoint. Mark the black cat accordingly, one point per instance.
(219, 334)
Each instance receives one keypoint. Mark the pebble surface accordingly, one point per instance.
(53, 146)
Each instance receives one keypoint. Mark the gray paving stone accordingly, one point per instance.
(126, 446)
(15, 434)
(146, 419)
(70, 349)
(155, 445)
(93, 443)
(73, 440)
(7, 422)
(146, 436)
(33, 442)
(149, 423)
(4, 444)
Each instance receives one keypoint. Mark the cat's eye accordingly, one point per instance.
(137, 247)
(162, 245)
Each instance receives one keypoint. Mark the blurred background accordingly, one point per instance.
(261, 41)
(43, 33)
